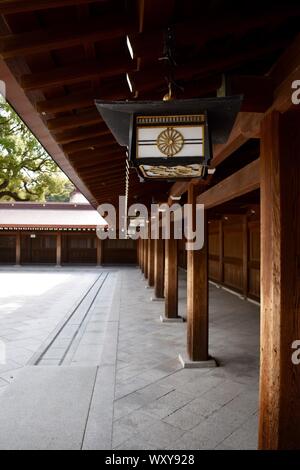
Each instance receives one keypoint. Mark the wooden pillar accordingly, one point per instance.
(142, 254)
(151, 262)
(171, 277)
(18, 249)
(99, 251)
(159, 268)
(58, 249)
(197, 293)
(245, 256)
(279, 410)
(139, 242)
(146, 241)
(221, 251)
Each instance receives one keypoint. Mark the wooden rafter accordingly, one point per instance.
(85, 133)
(243, 181)
(9, 7)
(63, 36)
(80, 72)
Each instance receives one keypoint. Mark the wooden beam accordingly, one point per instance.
(78, 135)
(82, 71)
(114, 168)
(64, 36)
(74, 121)
(247, 126)
(202, 69)
(284, 73)
(179, 188)
(243, 181)
(257, 91)
(197, 293)
(107, 148)
(87, 144)
(11, 7)
(149, 43)
(279, 411)
(117, 90)
(104, 160)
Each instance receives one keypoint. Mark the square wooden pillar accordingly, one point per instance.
(151, 262)
(279, 403)
(58, 249)
(171, 279)
(99, 251)
(146, 241)
(138, 245)
(197, 293)
(159, 268)
(18, 249)
(142, 244)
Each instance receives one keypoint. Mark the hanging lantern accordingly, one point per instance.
(170, 140)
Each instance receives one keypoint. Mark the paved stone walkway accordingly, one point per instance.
(33, 301)
(160, 406)
(131, 389)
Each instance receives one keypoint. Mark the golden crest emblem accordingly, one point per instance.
(170, 142)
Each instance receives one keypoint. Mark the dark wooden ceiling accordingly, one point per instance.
(66, 54)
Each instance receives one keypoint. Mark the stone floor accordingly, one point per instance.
(33, 301)
(134, 394)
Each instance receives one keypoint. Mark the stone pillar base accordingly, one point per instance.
(188, 364)
(164, 319)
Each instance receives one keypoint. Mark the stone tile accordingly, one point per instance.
(201, 407)
(224, 392)
(183, 419)
(130, 424)
(159, 434)
(167, 404)
(135, 444)
(127, 404)
(188, 441)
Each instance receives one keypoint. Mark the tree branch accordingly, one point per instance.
(13, 195)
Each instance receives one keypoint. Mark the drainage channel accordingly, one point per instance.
(65, 338)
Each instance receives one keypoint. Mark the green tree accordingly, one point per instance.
(27, 172)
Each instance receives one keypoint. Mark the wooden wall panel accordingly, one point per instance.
(214, 270)
(234, 253)
(79, 248)
(254, 259)
(182, 254)
(7, 248)
(119, 251)
(214, 251)
(38, 248)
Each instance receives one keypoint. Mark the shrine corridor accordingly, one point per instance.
(101, 349)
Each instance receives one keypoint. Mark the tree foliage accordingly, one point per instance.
(27, 172)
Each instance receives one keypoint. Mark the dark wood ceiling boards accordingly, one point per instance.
(66, 53)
